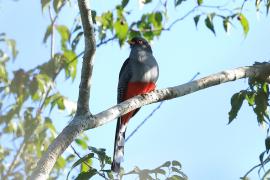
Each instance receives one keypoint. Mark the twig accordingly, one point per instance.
(254, 167)
(242, 6)
(106, 41)
(74, 150)
(100, 174)
(181, 18)
(52, 33)
(15, 160)
(98, 45)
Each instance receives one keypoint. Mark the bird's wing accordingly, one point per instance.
(124, 78)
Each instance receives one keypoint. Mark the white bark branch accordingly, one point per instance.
(256, 71)
(87, 121)
(89, 51)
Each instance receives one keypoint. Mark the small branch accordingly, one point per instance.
(98, 45)
(249, 171)
(181, 18)
(106, 41)
(74, 150)
(254, 167)
(15, 160)
(52, 33)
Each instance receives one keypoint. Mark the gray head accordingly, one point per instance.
(139, 42)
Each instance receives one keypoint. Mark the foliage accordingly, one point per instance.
(28, 96)
(256, 96)
(171, 170)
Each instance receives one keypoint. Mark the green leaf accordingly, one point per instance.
(81, 143)
(226, 24)
(158, 18)
(61, 162)
(236, 103)
(267, 6)
(70, 158)
(265, 88)
(106, 20)
(86, 166)
(34, 90)
(209, 22)
(176, 170)
(65, 35)
(57, 99)
(44, 4)
(244, 22)
(178, 2)
(121, 30)
(261, 102)
(257, 4)
(47, 33)
(86, 175)
(166, 164)
(76, 40)
(60, 103)
(42, 82)
(57, 4)
(71, 62)
(199, 2)
(49, 125)
(160, 171)
(110, 174)
(267, 143)
(133, 34)
(196, 20)
(176, 177)
(3, 73)
(176, 163)
(12, 46)
(261, 157)
(250, 97)
(146, 1)
(102, 157)
(80, 161)
(94, 14)
(124, 3)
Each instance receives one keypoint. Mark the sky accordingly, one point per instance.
(192, 129)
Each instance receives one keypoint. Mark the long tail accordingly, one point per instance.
(119, 143)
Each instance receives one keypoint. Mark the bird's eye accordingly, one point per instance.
(140, 41)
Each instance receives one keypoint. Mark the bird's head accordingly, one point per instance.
(139, 42)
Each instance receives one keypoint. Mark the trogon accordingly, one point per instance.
(138, 75)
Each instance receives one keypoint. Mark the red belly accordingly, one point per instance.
(134, 89)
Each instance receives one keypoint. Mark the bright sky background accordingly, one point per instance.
(191, 129)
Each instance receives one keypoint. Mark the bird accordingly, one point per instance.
(138, 75)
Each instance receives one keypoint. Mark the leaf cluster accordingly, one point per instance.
(257, 96)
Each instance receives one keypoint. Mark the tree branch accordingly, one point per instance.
(81, 123)
(89, 51)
